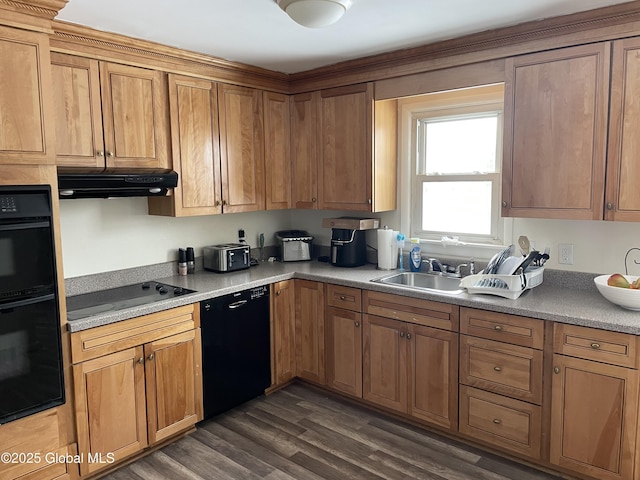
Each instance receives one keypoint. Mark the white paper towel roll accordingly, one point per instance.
(387, 249)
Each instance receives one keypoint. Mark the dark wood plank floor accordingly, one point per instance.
(300, 433)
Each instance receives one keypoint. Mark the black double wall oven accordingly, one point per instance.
(31, 372)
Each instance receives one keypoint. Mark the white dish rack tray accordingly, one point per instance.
(507, 286)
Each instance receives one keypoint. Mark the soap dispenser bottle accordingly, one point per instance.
(415, 258)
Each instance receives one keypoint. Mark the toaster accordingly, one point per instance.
(227, 257)
(295, 245)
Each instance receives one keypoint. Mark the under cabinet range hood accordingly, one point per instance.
(76, 182)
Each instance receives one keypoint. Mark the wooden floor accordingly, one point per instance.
(301, 433)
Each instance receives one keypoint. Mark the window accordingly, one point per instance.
(455, 166)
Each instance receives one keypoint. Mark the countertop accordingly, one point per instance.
(549, 301)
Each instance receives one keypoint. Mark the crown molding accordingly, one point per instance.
(30, 14)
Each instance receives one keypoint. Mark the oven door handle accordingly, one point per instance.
(26, 302)
(237, 304)
(23, 226)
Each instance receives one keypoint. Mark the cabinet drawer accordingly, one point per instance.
(528, 332)
(501, 421)
(501, 368)
(98, 341)
(413, 310)
(344, 297)
(593, 344)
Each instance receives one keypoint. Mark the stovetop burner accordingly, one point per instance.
(120, 298)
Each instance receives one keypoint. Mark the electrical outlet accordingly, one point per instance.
(565, 254)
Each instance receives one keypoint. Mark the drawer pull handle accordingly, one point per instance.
(497, 421)
(150, 357)
(497, 369)
(141, 360)
(498, 328)
(556, 370)
(342, 297)
(595, 346)
(357, 324)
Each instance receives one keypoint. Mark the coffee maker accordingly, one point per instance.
(348, 239)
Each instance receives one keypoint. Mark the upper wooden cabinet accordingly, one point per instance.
(277, 150)
(109, 115)
(344, 150)
(26, 111)
(555, 133)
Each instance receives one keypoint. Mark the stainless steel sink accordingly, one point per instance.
(423, 281)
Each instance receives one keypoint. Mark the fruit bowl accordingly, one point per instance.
(628, 298)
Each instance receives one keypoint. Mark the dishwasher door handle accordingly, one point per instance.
(237, 304)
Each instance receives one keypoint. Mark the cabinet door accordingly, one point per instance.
(193, 106)
(623, 169)
(343, 345)
(110, 407)
(304, 150)
(26, 110)
(555, 117)
(345, 148)
(384, 362)
(310, 330)
(594, 418)
(433, 375)
(173, 371)
(135, 113)
(242, 148)
(78, 111)
(277, 150)
(283, 332)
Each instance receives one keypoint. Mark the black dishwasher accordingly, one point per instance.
(236, 360)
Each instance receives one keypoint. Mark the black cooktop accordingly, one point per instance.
(120, 298)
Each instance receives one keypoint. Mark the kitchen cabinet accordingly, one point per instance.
(195, 140)
(344, 150)
(594, 404)
(283, 346)
(241, 148)
(109, 115)
(410, 357)
(26, 109)
(343, 340)
(555, 123)
(501, 365)
(136, 383)
(309, 335)
(277, 150)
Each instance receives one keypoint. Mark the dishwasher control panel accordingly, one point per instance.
(259, 291)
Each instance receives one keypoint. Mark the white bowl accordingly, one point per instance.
(628, 298)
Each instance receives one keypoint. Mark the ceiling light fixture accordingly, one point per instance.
(315, 13)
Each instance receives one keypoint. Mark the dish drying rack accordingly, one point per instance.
(507, 286)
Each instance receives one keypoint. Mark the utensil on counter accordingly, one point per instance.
(261, 245)
(526, 262)
(525, 245)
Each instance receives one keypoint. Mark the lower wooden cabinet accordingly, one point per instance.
(310, 360)
(283, 346)
(138, 395)
(343, 350)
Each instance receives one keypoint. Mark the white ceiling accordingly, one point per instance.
(258, 32)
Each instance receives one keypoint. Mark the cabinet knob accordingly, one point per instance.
(314, 200)
(217, 204)
(609, 206)
(497, 369)
(401, 334)
(150, 357)
(408, 336)
(498, 328)
(100, 153)
(109, 154)
(278, 293)
(556, 370)
(369, 201)
(357, 324)
(224, 202)
(595, 346)
(504, 204)
(497, 421)
(343, 298)
(141, 360)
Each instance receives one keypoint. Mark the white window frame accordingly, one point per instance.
(464, 102)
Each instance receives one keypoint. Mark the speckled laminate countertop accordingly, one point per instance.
(549, 301)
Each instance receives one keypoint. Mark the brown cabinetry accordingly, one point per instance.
(283, 345)
(26, 110)
(408, 365)
(343, 339)
(136, 383)
(277, 150)
(310, 331)
(594, 405)
(501, 365)
(109, 115)
(344, 150)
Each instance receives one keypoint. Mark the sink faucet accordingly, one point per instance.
(433, 265)
(471, 265)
